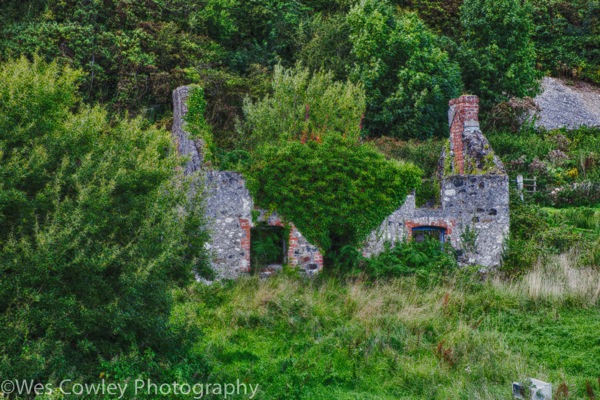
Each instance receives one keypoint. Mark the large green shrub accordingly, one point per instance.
(95, 228)
(303, 106)
(335, 192)
(407, 77)
(497, 51)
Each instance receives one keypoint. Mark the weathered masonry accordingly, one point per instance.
(473, 215)
(229, 209)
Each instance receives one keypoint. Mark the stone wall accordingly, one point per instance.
(300, 253)
(474, 196)
(229, 208)
(478, 203)
(392, 230)
(186, 147)
(474, 199)
(229, 217)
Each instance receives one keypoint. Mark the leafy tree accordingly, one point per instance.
(407, 77)
(304, 106)
(95, 228)
(497, 53)
(440, 15)
(566, 37)
(335, 192)
(327, 45)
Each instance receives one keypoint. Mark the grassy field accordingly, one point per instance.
(458, 338)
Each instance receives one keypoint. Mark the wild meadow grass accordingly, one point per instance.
(460, 337)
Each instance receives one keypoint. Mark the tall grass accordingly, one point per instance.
(558, 280)
(460, 337)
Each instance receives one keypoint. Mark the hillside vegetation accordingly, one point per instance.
(334, 111)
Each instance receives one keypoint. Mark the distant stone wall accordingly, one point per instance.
(474, 196)
(229, 215)
(229, 208)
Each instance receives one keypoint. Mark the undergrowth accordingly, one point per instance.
(456, 337)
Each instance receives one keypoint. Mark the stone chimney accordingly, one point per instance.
(462, 115)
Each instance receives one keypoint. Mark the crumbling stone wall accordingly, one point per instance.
(186, 147)
(479, 203)
(229, 208)
(474, 195)
(300, 253)
(392, 230)
(228, 211)
(474, 199)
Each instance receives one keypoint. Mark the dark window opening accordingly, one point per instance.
(267, 247)
(421, 233)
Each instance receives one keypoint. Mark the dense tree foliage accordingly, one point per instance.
(408, 78)
(303, 106)
(567, 34)
(95, 228)
(497, 52)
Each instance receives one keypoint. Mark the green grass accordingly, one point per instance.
(456, 339)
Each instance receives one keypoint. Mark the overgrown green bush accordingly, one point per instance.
(335, 191)
(303, 106)
(425, 259)
(95, 229)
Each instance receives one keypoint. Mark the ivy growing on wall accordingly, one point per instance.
(196, 123)
(335, 191)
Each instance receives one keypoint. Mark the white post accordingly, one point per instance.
(520, 186)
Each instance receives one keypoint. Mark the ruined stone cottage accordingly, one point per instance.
(473, 215)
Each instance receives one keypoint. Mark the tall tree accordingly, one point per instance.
(497, 53)
(408, 78)
(95, 228)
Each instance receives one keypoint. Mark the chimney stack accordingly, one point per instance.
(463, 114)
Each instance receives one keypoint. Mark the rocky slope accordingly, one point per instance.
(570, 106)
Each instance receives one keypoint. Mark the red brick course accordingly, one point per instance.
(245, 242)
(466, 108)
(440, 223)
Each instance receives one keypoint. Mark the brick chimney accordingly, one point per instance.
(463, 114)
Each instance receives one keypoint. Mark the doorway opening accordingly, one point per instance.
(268, 248)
